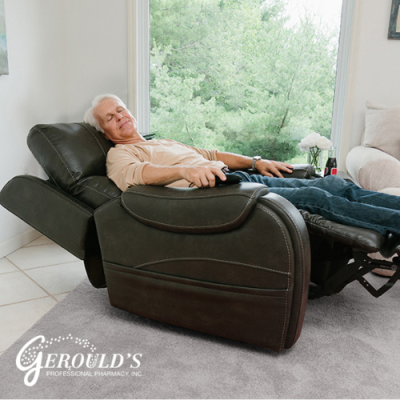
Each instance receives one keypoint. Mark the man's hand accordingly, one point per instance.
(272, 168)
(264, 167)
(202, 177)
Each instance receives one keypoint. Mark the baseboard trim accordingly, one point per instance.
(18, 241)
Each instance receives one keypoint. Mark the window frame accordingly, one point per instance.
(138, 24)
(342, 73)
(138, 30)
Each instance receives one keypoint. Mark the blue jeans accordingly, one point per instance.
(337, 200)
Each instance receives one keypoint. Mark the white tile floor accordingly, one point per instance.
(34, 279)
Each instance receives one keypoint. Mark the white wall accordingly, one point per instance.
(374, 69)
(61, 54)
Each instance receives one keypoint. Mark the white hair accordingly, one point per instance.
(90, 116)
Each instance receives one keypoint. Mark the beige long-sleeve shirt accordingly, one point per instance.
(125, 162)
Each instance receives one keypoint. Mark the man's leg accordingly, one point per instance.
(339, 209)
(304, 194)
(352, 192)
(333, 185)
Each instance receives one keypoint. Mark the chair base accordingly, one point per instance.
(340, 274)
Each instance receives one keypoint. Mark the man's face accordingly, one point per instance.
(118, 123)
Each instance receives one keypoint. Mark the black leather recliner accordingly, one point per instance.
(235, 261)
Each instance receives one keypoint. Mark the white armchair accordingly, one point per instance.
(375, 165)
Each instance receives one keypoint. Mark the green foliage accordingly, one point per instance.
(234, 75)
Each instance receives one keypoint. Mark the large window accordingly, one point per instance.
(247, 76)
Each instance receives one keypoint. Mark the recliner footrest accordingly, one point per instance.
(52, 212)
(333, 246)
(355, 237)
(57, 215)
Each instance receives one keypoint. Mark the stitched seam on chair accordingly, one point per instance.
(192, 227)
(302, 254)
(95, 190)
(94, 136)
(211, 259)
(295, 225)
(74, 202)
(45, 169)
(227, 287)
(51, 144)
(288, 278)
(196, 198)
(180, 226)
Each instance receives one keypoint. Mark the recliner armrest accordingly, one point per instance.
(300, 171)
(190, 210)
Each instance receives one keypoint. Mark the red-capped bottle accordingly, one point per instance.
(331, 164)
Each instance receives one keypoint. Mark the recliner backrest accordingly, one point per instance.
(74, 157)
(69, 152)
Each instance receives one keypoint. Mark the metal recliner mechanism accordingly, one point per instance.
(339, 256)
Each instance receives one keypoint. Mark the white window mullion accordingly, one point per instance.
(342, 73)
(138, 12)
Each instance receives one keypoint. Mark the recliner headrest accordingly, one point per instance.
(69, 152)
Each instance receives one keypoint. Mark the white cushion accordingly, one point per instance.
(382, 128)
(392, 191)
(373, 169)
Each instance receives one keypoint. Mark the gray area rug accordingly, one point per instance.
(349, 348)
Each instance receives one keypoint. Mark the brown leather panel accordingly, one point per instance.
(257, 319)
(273, 240)
(301, 271)
(193, 282)
(218, 209)
(69, 152)
(215, 271)
(262, 241)
(52, 212)
(95, 191)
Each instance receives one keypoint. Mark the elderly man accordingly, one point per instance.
(136, 161)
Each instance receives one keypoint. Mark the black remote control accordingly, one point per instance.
(230, 180)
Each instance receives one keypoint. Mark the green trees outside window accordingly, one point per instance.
(238, 76)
